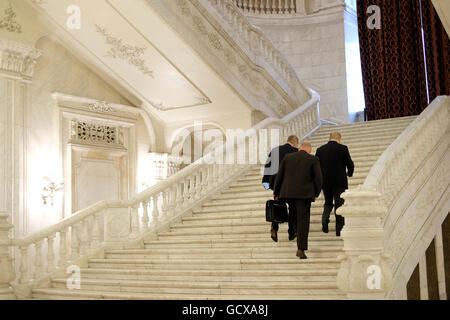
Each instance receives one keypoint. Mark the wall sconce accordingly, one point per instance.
(49, 190)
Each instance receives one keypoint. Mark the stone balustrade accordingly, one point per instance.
(404, 194)
(256, 44)
(119, 224)
(267, 6)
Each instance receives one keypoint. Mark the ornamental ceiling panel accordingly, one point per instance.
(115, 32)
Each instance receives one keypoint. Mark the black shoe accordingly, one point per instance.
(292, 236)
(339, 203)
(301, 254)
(325, 227)
(274, 235)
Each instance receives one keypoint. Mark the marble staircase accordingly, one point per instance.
(223, 249)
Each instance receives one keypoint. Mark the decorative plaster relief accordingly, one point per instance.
(101, 107)
(18, 59)
(8, 22)
(83, 131)
(124, 51)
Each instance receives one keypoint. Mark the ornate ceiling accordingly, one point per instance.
(132, 44)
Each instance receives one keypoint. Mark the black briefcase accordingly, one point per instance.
(276, 211)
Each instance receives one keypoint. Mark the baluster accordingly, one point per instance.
(186, 190)
(210, 168)
(204, 178)
(74, 242)
(179, 196)
(23, 265)
(62, 248)
(164, 206)
(145, 218)
(50, 254)
(84, 237)
(134, 220)
(96, 230)
(38, 259)
(191, 188)
(155, 209)
(198, 184)
(172, 198)
(293, 8)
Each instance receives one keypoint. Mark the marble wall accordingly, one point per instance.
(317, 47)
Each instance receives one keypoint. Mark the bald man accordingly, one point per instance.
(299, 180)
(336, 165)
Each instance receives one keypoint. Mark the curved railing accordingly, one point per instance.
(267, 6)
(254, 42)
(405, 194)
(120, 223)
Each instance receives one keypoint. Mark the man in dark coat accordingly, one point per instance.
(336, 165)
(300, 181)
(270, 172)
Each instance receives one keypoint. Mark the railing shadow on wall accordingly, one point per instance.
(125, 224)
(394, 215)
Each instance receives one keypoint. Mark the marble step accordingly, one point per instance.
(242, 200)
(230, 225)
(221, 253)
(351, 182)
(282, 236)
(367, 137)
(59, 294)
(238, 243)
(360, 161)
(358, 174)
(385, 124)
(233, 221)
(352, 145)
(229, 274)
(214, 277)
(292, 262)
(239, 230)
(260, 207)
(143, 286)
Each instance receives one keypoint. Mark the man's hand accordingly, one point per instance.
(276, 197)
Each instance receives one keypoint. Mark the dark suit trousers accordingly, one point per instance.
(303, 210)
(292, 223)
(333, 199)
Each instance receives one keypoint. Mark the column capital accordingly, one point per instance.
(17, 60)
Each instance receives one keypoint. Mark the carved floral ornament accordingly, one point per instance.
(8, 21)
(124, 51)
(101, 107)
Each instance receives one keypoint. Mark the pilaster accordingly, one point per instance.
(17, 63)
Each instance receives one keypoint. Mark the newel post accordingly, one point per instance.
(365, 272)
(7, 274)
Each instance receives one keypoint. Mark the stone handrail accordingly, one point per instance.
(111, 224)
(402, 158)
(255, 44)
(267, 6)
(397, 202)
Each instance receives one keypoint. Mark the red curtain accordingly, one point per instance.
(392, 59)
(437, 51)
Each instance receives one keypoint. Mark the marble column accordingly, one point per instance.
(17, 63)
